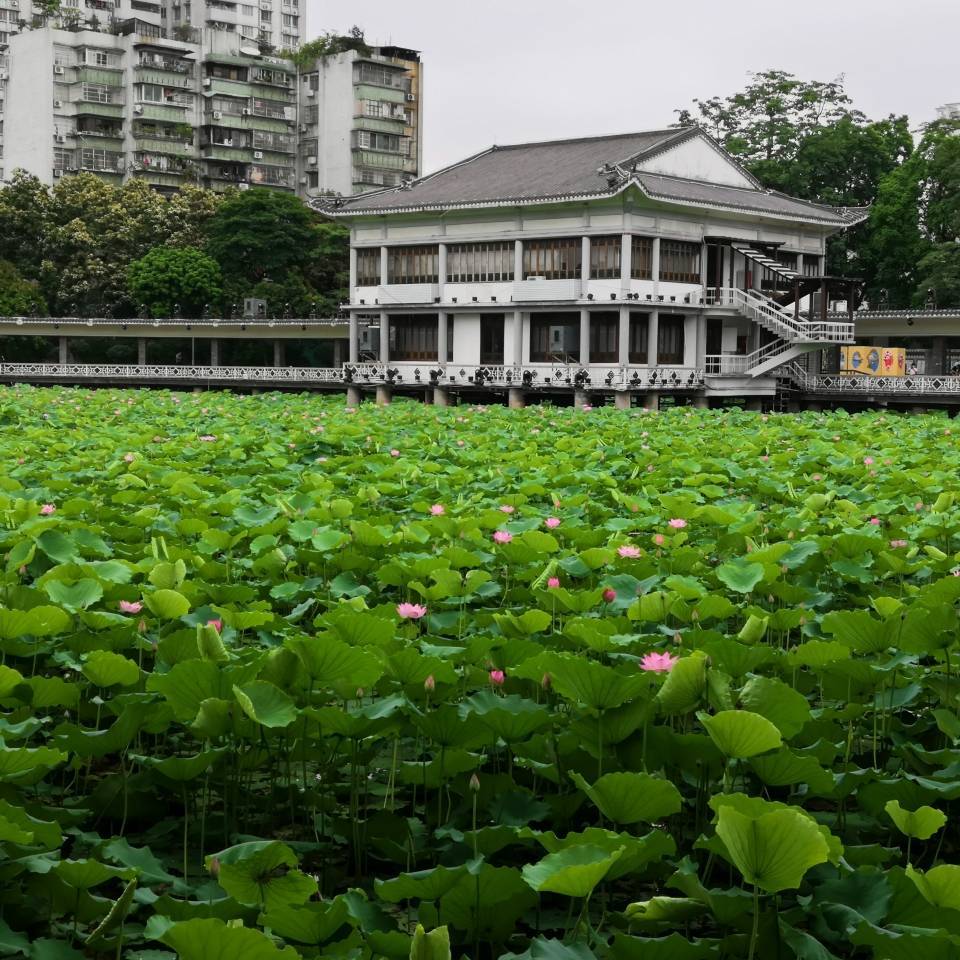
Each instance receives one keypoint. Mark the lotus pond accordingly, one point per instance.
(281, 679)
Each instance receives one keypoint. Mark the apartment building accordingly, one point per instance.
(360, 121)
(274, 24)
(138, 104)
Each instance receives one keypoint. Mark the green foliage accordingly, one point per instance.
(328, 44)
(19, 297)
(178, 281)
(266, 760)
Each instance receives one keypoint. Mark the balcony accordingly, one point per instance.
(393, 293)
(535, 289)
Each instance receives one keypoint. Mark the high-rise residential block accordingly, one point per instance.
(360, 121)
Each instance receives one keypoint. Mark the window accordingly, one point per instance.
(100, 58)
(605, 257)
(679, 261)
(368, 267)
(250, 32)
(491, 338)
(414, 337)
(413, 264)
(552, 259)
(479, 262)
(93, 159)
(555, 338)
(639, 330)
(387, 142)
(379, 75)
(604, 336)
(248, 10)
(289, 20)
(670, 340)
(63, 158)
(310, 113)
(641, 258)
(374, 108)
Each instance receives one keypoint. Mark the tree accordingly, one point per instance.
(175, 281)
(938, 276)
(18, 297)
(328, 44)
(25, 222)
(258, 234)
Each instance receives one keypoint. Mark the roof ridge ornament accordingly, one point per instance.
(614, 174)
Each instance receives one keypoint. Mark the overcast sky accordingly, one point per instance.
(506, 71)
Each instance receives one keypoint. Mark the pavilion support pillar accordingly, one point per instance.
(279, 353)
(516, 337)
(353, 350)
(584, 337)
(701, 402)
(516, 399)
(214, 353)
(442, 346)
(440, 397)
(623, 337)
(652, 401)
(338, 353)
(384, 394)
(938, 355)
(581, 399)
(384, 337)
(623, 399)
(141, 351)
(64, 350)
(653, 339)
(354, 396)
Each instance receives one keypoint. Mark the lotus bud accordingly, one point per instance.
(474, 783)
(359, 693)
(677, 638)
(215, 867)
(695, 615)
(430, 684)
(609, 595)
(142, 626)
(771, 598)
(546, 681)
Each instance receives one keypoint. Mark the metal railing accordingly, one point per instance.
(718, 364)
(769, 314)
(169, 372)
(853, 384)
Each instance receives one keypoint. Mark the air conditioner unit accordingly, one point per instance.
(3, 75)
(138, 108)
(217, 115)
(57, 104)
(303, 128)
(207, 82)
(311, 93)
(58, 173)
(60, 138)
(411, 98)
(246, 111)
(257, 154)
(303, 181)
(58, 70)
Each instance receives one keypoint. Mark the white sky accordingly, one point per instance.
(506, 71)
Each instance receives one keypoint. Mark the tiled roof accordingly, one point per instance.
(528, 173)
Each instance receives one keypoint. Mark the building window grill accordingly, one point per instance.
(414, 337)
(679, 261)
(605, 257)
(670, 340)
(417, 264)
(368, 267)
(604, 337)
(479, 262)
(639, 332)
(641, 258)
(556, 259)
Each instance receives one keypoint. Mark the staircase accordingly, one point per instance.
(795, 335)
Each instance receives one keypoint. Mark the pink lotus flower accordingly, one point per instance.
(216, 624)
(609, 595)
(394, 453)
(47, 509)
(629, 552)
(502, 536)
(868, 461)
(506, 508)
(437, 510)
(460, 443)
(918, 505)
(553, 583)
(677, 523)
(659, 539)
(552, 522)
(208, 438)
(764, 458)
(875, 521)
(411, 611)
(128, 457)
(130, 606)
(649, 468)
(898, 543)
(497, 677)
(658, 662)
(816, 478)
(430, 684)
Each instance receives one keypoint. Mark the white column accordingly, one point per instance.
(623, 337)
(800, 264)
(701, 353)
(142, 350)
(214, 352)
(517, 337)
(584, 268)
(64, 350)
(584, 337)
(279, 353)
(442, 272)
(653, 338)
(354, 335)
(353, 274)
(626, 261)
(655, 266)
(384, 337)
(690, 340)
(441, 337)
(383, 265)
(518, 260)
